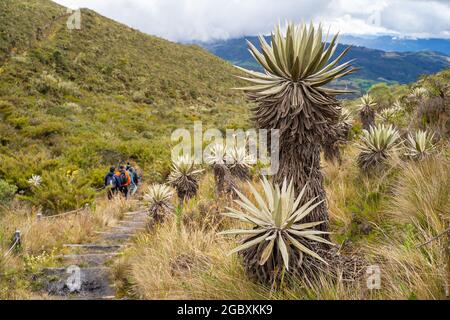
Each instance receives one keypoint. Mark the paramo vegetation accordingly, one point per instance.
(361, 183)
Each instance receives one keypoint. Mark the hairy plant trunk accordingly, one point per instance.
(302, 164)
(303, 129)
(186, 188)
(332, 153)
(240, 171)
(224, 180)
(367, 116)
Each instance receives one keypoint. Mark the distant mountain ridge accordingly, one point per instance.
(391, 43)
(375, 65)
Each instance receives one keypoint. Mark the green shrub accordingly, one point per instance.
(62, 190)
(7, 192)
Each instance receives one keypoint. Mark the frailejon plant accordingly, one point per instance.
(419, 145)
(390, 115)
(419, 93)
(158, 197)
(239, 162)
(366, 111)
(331, 149)
(184, 177)
(377, 145)
(291, 96)
(278, 236)
(216, 158)
(35, 180)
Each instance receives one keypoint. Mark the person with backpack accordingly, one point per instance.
(134, 178)
(111, 182)
(124, 180)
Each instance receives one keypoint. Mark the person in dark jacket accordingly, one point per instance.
(111, 182)
(134, 178)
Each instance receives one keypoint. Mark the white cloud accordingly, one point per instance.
(184, 20)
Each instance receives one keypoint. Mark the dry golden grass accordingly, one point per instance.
(50, 232)
(43, 239)
(189, 261)
(174, 262)
(421, 207)
(340, 189)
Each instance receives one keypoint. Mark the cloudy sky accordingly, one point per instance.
(186, 20)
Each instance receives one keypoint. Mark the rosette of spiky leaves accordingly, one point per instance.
(216, 154)
(158, 198)
(296, 69)
(377, 145)
(184, 177)
(35, 180)
(366, 111)
(419, 145)
(291, 96)
(418, 94)
(389, 115)
(216, 158)
(278, 237)
(346, 117)
(239, 162)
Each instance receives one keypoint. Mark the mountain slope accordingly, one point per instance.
(86, 99)
(376, 65)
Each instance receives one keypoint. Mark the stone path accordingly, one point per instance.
(85, 274)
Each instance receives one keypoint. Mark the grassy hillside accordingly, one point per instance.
(81, 100)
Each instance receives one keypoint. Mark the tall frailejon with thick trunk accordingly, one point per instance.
(290, 96)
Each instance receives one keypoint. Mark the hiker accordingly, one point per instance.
(111, 182)
(124, 180)
(134, 178)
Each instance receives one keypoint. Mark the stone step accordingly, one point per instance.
(77, 283)
(128, 229)
(142, 211)
(115, 235)
(93, 247)
(139, 219)
(89, 259)
(129, 223)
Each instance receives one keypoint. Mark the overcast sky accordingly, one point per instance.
(186, 20)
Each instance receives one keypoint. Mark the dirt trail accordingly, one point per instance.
(85, 274)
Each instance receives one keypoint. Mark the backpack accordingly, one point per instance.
(124, 179)
(111, 180)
